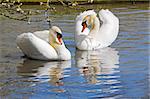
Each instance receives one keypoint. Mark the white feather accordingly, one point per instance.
(36, 46)
(99, 37)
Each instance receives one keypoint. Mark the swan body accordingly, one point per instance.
(91, 35)
(44, 45)
(44, 35)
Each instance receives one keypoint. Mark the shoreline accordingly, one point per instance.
(81, 2)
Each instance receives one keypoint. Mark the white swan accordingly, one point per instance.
(90, 35)
(44, 45)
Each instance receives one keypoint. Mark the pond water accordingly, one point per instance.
(119, 71)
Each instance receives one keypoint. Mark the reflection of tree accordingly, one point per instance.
(10, 82)
(93, 63)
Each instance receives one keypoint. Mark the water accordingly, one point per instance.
(119, 71)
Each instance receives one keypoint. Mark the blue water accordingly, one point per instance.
(117, 72)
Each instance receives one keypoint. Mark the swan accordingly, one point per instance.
(92, 33)
(44, 45)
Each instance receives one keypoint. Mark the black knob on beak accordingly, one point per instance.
(84, 23)
(59, 35)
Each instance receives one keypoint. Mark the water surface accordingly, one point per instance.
(119, 71)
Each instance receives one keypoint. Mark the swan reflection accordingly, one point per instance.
(52, 72)
(93, 63)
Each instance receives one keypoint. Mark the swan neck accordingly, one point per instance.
(60, 50)
(95, 26)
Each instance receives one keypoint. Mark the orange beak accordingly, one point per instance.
(59, 37)
(60, 40)
(84, 25)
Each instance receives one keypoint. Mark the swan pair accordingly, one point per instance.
(90, 35)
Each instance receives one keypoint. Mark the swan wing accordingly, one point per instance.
(42, 35)
(36, 48)
(109, 29)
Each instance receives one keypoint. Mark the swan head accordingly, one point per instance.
(87, 21)
(55, 40)
(56, 35)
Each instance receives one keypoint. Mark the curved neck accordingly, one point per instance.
(61, 50)
(54, 44)
(95, 27)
